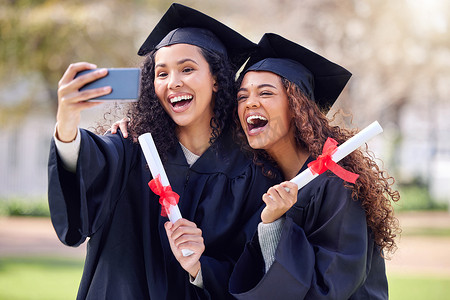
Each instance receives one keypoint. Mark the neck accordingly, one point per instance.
(289, 157)
(195, 138)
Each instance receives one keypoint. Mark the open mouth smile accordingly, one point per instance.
(256, 124)
(179, 101)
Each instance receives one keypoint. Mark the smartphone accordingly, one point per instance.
(124, 82)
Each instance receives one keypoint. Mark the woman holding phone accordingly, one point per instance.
(98, 184)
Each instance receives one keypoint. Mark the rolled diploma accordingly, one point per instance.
(342, 151)
(156, 168)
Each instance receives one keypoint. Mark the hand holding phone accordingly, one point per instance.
(124, 82)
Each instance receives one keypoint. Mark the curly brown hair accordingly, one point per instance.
(148, 115)
(374, 187)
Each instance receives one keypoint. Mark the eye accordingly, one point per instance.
(266, 93)
(188, 69)
(161, 74)
(241, 97)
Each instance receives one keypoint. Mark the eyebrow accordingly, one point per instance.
(180, 62)
(259, 87)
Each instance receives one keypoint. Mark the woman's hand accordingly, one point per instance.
(279, 199)
(122, 125)
(71, 101)
(184, 234)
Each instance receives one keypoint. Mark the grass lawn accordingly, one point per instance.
(37, 278)
(416, 286)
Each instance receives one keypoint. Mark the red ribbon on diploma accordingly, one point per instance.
(167, 197)
(324, 162)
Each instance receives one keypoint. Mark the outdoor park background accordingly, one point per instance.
(398, 52)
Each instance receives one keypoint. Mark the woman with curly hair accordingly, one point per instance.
(99, 190)
(326, 241)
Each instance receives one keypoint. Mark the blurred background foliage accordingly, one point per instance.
(398, 52)
(400, 43)
(39, 39)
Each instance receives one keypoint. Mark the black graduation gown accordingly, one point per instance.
(128, 254)
(325, 251)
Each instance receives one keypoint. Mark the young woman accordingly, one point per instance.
(98, 184)
(327, 240)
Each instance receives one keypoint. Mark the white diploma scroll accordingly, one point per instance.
(157, 168)
(342, 151)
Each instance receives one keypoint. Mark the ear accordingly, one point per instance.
(215, 85)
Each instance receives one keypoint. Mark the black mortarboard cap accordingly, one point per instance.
(317, 77)
(182, 24)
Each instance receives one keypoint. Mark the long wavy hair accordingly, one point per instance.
(148, 115)
(374, 187)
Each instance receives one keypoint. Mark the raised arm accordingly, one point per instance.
(71, 101)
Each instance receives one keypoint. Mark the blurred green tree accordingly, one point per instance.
(39, 39)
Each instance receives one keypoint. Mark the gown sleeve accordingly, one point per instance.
(217, 264)
(322, 252)
(80, 202)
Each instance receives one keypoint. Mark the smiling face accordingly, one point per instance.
(263, 110)
(184, 84)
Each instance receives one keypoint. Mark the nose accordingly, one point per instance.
(251, 102)
(175, 81)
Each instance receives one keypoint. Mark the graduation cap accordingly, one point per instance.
(318, 78)
(183, 25)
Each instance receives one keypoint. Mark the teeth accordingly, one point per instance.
(180, 98)
(254, 117)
